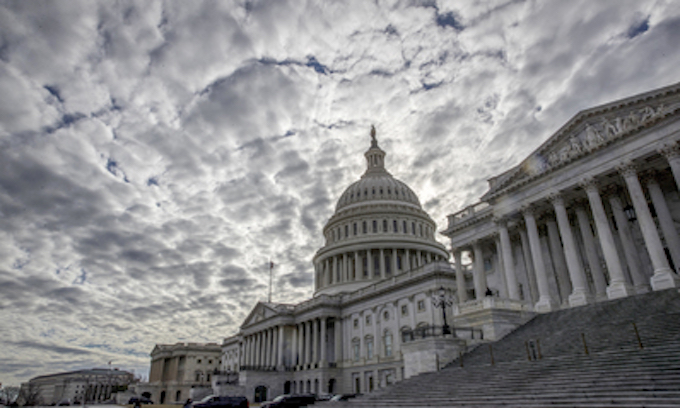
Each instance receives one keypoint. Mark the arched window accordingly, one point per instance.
(369, 347)
(388, 343)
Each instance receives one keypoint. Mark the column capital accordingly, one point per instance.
(589, 184)
(528, 210)
(670, 150)
(556, 198)
(627, 168)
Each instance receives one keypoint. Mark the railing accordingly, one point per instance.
(424, 332)
(258, 368)
(466, 213)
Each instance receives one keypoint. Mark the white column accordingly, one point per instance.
(394, 261)
(315, 341)
(580, 294)
(308, 342)
(508, 261)
(323, 344)
(596, 271)
(479, 275)
(671, 152)
(382, 264)
(371, 271)
(301, 344)
(294, 347)
(334, 273)
(460, 276)
(618, 287)
(345, 268)
(407, 256)
(357, 266)
(329, 271)
(663, 277)
(279, 353)
(545, 302)
(337, 330)
(559, 260)
(631, 252)
(528, 264)
(665, 220)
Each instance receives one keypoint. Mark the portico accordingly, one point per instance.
(589, 216)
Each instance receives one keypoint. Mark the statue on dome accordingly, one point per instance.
(374, 141)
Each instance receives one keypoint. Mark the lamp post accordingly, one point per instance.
(442, 300)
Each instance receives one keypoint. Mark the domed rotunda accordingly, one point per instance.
(379, 230)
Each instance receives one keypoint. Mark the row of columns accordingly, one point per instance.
(309, 346)
(349, 267)
(264, 348)
(572, 276)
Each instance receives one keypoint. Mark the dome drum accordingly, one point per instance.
(379, 230)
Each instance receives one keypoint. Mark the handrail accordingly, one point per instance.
(424, 332)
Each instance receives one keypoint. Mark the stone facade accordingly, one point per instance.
(183, 370)
(90, 386)
(590, 215)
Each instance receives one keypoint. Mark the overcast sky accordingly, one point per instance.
(155, 155)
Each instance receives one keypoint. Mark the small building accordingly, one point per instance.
(181, 371)
(89, 386)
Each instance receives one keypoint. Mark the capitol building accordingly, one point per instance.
(589, 216)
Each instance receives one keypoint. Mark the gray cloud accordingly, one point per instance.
(154, 157)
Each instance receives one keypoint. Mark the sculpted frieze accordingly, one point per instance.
(593, 136)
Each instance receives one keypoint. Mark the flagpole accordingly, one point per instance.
(271, 268)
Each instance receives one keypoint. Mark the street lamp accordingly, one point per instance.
(442, 300)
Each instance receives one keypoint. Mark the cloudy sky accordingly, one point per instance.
(155, 155)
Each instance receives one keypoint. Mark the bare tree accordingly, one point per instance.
(29, 394)
(8, 394)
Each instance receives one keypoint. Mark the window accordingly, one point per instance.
(198, 361)
(355, 228)
(369, 348)
(405, 228)
(399, 262)
(356, 349)
(346, 231)
(209, 361)
(386, 315)
(421, 305)
(413, 228)
(364, 227)
(388, 344)
(368, 320)
(375, 226)
(384, 225)
(394, 226)
(421, 230)
(356, 323)
(404, 310)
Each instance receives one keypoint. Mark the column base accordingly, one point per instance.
(664, 279)
(580, 298)
(617, 290)
(545, 304)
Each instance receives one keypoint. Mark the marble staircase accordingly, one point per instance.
(624, 352)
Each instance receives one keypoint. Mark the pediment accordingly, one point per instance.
(588, 131)
(261, 311)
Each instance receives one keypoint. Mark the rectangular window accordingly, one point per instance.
(388, 345)
(421, 305)
(413, 228)
(394, 226)
(404, 310)
(364, 227)
(375, 226)
(368, 320)
(355, 228)
(357, 351)
(356, 323)
(369, 349)
(346, 231)
(384, 225)
(405, 228)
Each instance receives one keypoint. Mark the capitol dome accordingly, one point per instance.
(378, 230)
